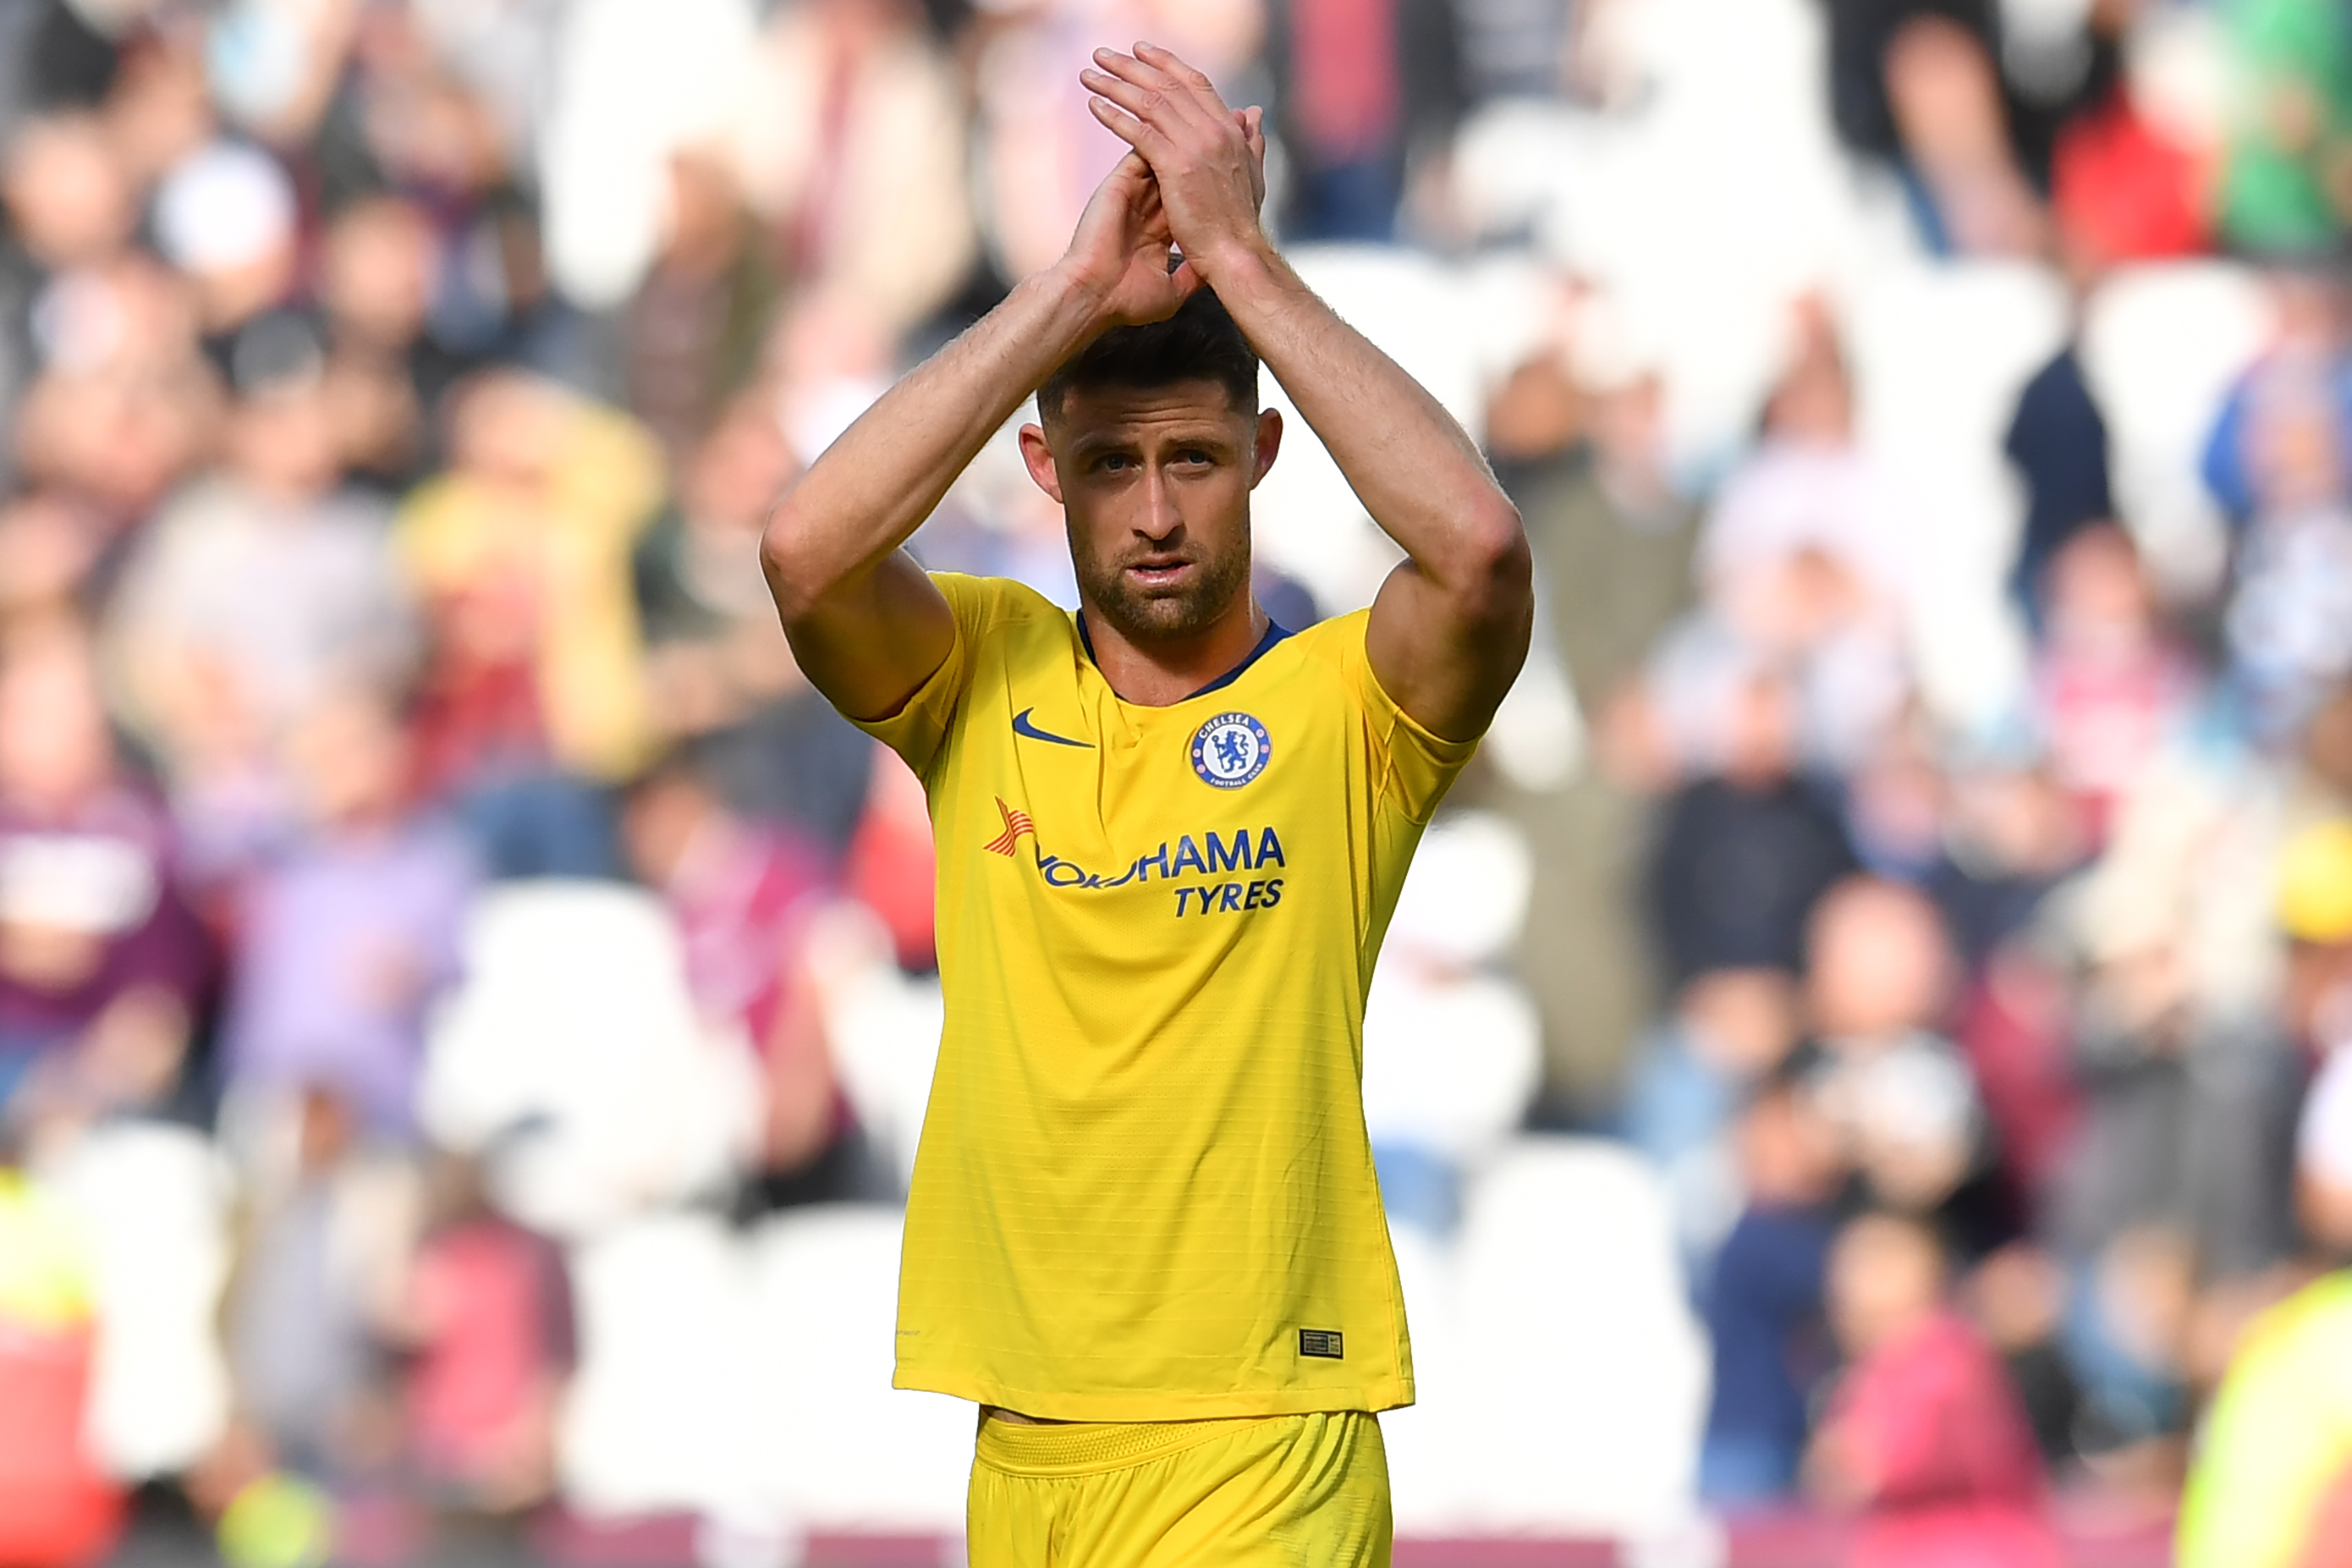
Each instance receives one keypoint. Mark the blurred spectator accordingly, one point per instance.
(2280, 460)
(1730, 1030)
(70, 204)
(743, 896)
(852, 152)
(712, 649)
(349, 932)
(1923, 1437)
(2017, 1298)
(1806, 558)
(316, 1287)
(536, 682)
(48, 554)
(2282, 185)
(1944, 92)
(103, 969)
(487, 1320)
(264, 586)
(2273, 1480)
(2058, 441)
(693, 327)
(1764, 1303)
(2282, 442)
(1578, 434)
(1357, 80)
(2126, 187)
(2112, 689)
(1879, 981)
(2010, 837)
(890, 864)
(1974, 103)
(156, 103)
(385, 370)
(2174, 1197)
(1578, 438)
(1743, 854)
(124, 407)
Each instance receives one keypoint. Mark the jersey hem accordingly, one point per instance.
(1371, 1398)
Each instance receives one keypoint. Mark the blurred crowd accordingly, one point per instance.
(1928, 809)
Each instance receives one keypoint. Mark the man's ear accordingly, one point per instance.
(1039, 459)
(1269, 445)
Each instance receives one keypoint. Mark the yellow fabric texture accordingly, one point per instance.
(1283, 1491)
(2277, 1436)
(1144, 1191)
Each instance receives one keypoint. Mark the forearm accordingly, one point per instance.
(860, 500)
(1416, 470)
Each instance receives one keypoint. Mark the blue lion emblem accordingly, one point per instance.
(1230, 749)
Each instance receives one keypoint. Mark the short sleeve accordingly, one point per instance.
(1412, 768)
(918, 730)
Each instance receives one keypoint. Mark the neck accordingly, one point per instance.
(1165, 670)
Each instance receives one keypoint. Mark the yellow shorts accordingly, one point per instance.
(1251, 1493)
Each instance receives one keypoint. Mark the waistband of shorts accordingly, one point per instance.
(1089, 1448)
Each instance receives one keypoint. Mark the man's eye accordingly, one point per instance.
(1193, 455)
(1111, 464)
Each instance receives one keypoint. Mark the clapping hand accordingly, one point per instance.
(1195, 181)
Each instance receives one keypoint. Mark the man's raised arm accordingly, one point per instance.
(1450, 628)
(868, 628)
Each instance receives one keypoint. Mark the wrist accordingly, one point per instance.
(1075, 305)
(1237, 267)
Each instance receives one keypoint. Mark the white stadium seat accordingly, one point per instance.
(659, 1418)
(2161, 345)
(1940, 355)
(1583, 1373)
(883, 1027)
(152, 1200)
(836, 1447)
(574, 1026)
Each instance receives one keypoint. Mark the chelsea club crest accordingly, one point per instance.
(1230, 749)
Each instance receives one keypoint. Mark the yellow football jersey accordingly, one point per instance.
(1144, 1191)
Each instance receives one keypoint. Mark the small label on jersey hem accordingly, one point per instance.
(1324, 1342)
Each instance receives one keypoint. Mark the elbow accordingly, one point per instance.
(792, 578)
(1497, 569)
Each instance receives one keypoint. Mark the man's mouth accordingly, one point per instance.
(1159, 573)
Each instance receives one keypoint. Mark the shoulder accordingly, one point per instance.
(992, 607)
(1337, 644)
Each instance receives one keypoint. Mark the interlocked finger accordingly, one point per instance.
(1137, 134)
(1191, 77)
(1153, 93)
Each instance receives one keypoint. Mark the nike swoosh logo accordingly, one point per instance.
(1020, 726)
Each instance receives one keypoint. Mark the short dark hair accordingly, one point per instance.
(1199, 342)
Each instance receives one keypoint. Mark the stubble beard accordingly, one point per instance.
(1145, 615)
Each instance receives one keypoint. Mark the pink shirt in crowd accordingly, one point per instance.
(1932, 1416)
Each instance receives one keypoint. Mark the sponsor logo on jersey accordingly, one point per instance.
(1243, 849)
(1016, 823)
(1230, 749)
(1198, 858)
(1023, 725)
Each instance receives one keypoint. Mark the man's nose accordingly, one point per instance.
(1158, 518)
